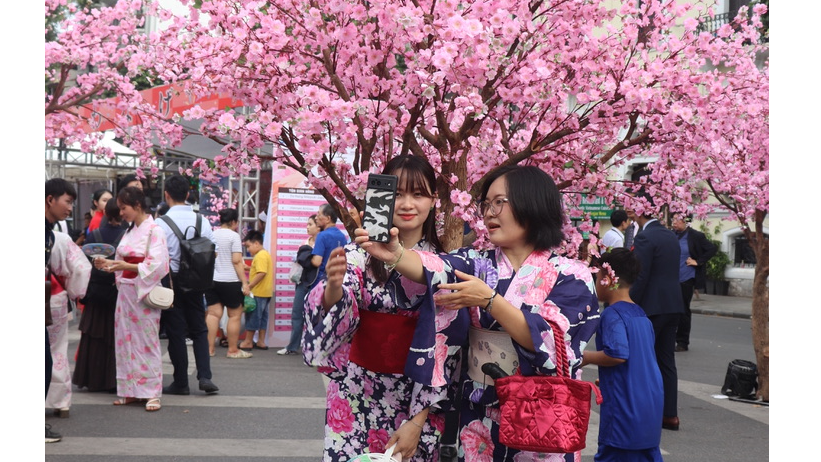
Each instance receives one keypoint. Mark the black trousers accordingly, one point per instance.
(686, 320)
(664, 326)
(187, 318)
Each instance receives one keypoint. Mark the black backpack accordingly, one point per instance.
(197, 258)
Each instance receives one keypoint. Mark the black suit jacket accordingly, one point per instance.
(657, 289)
(701, 250)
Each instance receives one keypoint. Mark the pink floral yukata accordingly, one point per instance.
(136, 326)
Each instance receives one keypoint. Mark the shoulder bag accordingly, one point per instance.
(161, 298)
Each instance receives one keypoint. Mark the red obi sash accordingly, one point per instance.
(382, 341)
(56, 284)
(132, 274)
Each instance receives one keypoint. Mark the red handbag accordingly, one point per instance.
(547, 414)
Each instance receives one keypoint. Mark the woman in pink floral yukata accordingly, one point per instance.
(389, 359)
(512, 291)
(141, 263)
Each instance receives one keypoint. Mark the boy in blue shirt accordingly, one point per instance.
(629, 377)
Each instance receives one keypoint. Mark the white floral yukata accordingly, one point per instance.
(136, 325)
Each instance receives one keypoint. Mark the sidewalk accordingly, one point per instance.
(723, 305)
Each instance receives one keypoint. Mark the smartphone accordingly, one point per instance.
(380, 197)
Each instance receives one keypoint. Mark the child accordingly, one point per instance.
(631, 413)
(261, 283)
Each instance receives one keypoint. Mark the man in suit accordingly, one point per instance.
(658, 292)
(695, 251)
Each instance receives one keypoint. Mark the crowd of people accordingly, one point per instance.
(401, 329)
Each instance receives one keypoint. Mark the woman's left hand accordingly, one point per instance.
(116, 265)
(406, 438)
(472, 292)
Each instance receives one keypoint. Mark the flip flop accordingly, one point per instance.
(127, 401)
(257, 347)
(153, 405)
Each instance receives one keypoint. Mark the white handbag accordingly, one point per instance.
(161, 298)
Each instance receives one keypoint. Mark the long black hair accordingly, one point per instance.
(417, 175)
(535, 202)
(95, 198)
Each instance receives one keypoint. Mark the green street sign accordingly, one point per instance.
(596, 207)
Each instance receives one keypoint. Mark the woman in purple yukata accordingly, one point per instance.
(512, 291)
(389, 361)
(141, 263)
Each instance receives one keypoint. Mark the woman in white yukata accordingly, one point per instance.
(514, 292)
(141, 263)
(389, 361)
(70, 271)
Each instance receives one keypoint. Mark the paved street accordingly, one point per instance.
(272, 407)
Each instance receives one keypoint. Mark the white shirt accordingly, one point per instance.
(183, 216)
(230, 242)
(613, 238)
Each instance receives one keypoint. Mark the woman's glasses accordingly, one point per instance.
(493, 206)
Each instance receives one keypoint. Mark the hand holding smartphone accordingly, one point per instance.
(380, 197)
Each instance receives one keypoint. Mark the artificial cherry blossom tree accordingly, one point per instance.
(94, 52)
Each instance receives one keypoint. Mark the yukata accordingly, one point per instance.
(365, 407)
(546, 287)
(70, 271)
(136, 325)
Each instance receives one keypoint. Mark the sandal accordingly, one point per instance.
(240, 354)
(224, 342)
(153, 404)
(126, 401)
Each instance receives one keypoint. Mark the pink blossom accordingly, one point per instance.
(477, 443)
(339, 415)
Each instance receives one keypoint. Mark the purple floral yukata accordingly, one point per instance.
(364, 408)
(546, 287)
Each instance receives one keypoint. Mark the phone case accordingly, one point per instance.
(379, 201)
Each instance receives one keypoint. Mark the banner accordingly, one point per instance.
(292, 202)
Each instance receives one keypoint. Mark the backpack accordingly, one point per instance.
(197, 258)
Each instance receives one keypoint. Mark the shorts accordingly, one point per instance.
(229, 294)
(258, 319)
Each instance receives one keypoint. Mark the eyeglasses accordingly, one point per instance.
(495, 206)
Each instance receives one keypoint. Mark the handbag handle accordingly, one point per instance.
(562, 364)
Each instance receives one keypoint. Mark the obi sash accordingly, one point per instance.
(382, 341)
(490, 346)
(132, 274)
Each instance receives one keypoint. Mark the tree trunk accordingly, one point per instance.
(761, 312)
(454, 227)
(761, 323)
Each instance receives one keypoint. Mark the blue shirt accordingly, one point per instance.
(183, 216)
(632, 391)
(326, 241)
(685, 272)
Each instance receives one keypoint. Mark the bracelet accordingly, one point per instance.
(392, 266)
(411, 421)
(489, 305)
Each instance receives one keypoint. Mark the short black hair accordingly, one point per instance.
(112, 211)
(623, 262)
(228, 215)
(162, 208)
(128, 179)
(132, 196)
(618, 217)
(56, 187)
(177, 187)
(253, 236)
(98, 194)
(329, 212)
(535, 202)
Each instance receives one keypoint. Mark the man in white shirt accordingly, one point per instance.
(614, 237)
(187, 316)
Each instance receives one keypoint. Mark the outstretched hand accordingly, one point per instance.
(387, 253)
(472, 292)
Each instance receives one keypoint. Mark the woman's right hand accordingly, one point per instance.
(387, 253)
(100, 262)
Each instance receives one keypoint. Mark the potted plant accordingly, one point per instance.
(715, 272)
